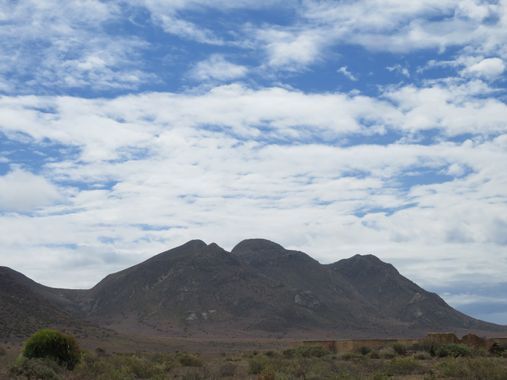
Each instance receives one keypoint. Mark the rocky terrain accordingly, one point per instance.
(259, 289)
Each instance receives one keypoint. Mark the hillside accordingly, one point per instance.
(26, 306)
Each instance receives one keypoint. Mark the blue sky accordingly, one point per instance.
(336, 127)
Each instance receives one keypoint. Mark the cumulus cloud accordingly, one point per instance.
(23, 191)
(488, 68)
(291, 50)
(217, 68)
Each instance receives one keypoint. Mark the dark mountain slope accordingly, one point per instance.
(198, 287)
(26, 306)
(314, 289)
(192, 286)
(396, 297)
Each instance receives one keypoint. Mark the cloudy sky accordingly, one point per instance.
(333, 127)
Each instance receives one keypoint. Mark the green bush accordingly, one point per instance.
(40, 369)
(453, 350)
(312, 351)
(54, 345)
(364, 350)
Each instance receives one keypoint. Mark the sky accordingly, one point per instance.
(332, 127)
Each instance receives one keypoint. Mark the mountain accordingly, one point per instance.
(26, 306)
(259, 289)
(396, 297)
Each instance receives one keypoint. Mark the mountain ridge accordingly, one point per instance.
(259, 288)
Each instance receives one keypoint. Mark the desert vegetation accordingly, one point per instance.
(393, 361)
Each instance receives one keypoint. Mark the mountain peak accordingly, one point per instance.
(364, 263)
(368, 258)
(195, 243)
(254, 245)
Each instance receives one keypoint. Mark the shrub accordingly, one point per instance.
(268, 375)
(473, 369)
(374, 355)
(2, 351)
(381, 376)
(139, 367)
(422, 355)
(387, 353)
(312, 351)
(496, 349)
(41, 369)
(228, 370)
(400, 349)
(187, 360)
(364, 350)
(452, 349)
(403, 366)
(350, 356)
(289, 353)
(54, 345)
(255, 367)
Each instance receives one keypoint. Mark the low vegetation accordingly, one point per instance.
(53, 345)
(308, 362)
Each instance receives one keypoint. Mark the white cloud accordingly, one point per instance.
(291, 50)
(456, 170)
(65, 44)
(455, 108)
(75, 48)
(102, 127)
(217, 68)
(168, 14)
(268, 166)
(488, 68)
(345, 71)
(23, 191)
(392, 26)
(399, 69)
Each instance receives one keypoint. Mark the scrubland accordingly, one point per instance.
(446, 361)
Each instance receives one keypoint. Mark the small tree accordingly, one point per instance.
(52, 344)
